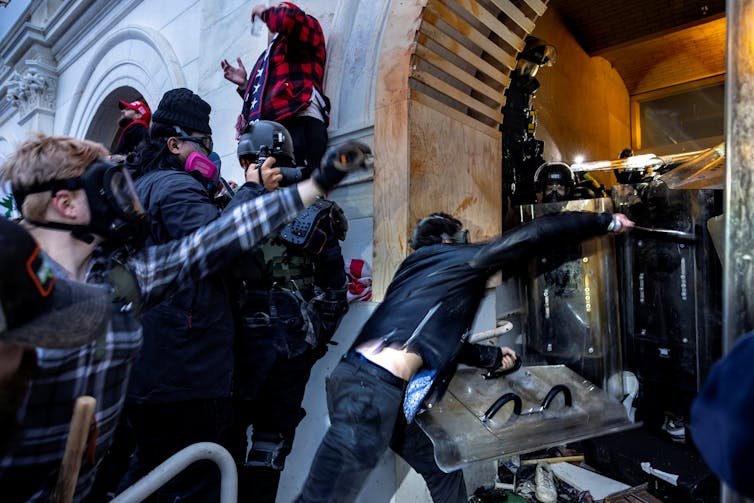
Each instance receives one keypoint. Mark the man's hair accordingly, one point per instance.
(433, 229)
(43, 158)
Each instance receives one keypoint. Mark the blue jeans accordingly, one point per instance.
(366, 417)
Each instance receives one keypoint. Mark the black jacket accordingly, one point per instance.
(132, 136)
(434, 296)
(188, 338)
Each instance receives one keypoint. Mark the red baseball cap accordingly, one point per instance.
(138, 106)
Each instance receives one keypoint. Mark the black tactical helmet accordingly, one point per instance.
(266, 138)
(554, 173)
(555, 181)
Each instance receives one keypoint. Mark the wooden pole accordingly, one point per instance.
(83, 411)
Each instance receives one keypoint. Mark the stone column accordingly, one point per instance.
(738, 264)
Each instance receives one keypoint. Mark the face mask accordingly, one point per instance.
(202, 165)
(554, 194)
(116, 212)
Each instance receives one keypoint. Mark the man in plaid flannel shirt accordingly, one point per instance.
(286, 83)
(101, 368)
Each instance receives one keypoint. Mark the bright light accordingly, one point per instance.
(639, 161)
(578, 159)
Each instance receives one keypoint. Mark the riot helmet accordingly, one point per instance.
(554, 181)
(265, 139)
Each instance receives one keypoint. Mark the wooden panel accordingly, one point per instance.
(491, 22)
(396, 50)
(391, 196)
(454, 169)
(435, 59)
(437, 142)
(444, 109)
(457, 95)
(391, 173)
(456, 48)
(436, 11)
(515, 15)
(537, 6)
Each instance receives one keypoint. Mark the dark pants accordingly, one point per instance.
(309, 140)
(269, 400)
(366, 417)
(161, 430)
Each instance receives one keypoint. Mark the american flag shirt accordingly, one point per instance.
(101, 368)
(283, 81)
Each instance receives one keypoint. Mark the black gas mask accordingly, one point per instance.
(116, 213)
(555, 181)
(555, 193)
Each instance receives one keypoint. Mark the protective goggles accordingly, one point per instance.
(460, 237)
(111, 182)
(204, 141)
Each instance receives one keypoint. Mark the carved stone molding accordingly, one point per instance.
(32, 88)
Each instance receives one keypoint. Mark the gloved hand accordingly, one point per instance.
(339, 160)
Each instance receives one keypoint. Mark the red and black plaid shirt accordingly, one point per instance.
(296, 67)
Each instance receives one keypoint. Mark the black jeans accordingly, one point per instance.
(366, 417)
(309, 140)
(270, 400)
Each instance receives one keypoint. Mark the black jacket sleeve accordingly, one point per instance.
(476, 355)
(538, 235)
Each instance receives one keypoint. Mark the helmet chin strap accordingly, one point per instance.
(80, 232)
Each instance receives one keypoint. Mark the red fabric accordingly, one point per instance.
(359, 280)
(296, 65)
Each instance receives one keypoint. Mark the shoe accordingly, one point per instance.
(627, 393)
(675, 428)
(545, 492)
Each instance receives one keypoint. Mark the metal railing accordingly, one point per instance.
(177, 463)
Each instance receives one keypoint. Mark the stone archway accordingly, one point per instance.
(113, 72)
(104, 126)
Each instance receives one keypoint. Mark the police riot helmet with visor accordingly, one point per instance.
(555, 181)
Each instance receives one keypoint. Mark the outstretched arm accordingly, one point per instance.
(545, 232)
(165, 269)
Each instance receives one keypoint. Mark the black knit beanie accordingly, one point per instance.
(181, 107)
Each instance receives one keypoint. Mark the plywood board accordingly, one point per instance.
(456, 170)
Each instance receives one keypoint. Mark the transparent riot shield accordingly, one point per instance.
(532, 408)
(572, 353)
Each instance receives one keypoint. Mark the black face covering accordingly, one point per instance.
(555, 194)
(116, 213)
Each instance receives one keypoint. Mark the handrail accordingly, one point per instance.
(177, 463)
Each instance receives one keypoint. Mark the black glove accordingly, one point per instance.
(339, 160)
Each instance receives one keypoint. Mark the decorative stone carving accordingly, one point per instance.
(33, 90)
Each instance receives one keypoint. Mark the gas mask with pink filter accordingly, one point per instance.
(205, 167)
